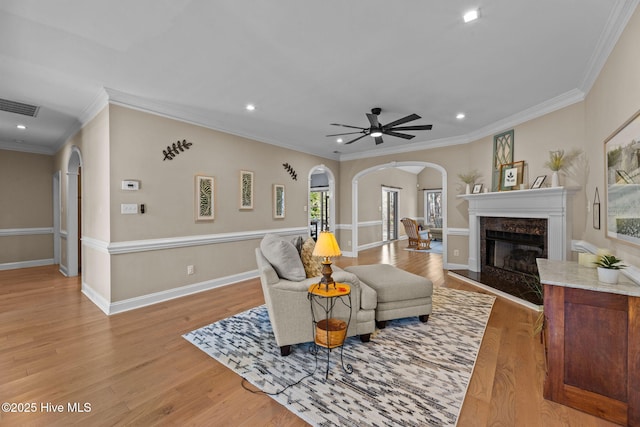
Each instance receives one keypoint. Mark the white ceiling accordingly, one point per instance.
(303, 64)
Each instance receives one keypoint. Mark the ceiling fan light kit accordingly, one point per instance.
(376, 129)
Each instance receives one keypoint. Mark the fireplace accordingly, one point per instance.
(508, 230)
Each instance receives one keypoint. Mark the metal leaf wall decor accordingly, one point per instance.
(176, 148)
(291, 171)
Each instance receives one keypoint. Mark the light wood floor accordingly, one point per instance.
(134, 368)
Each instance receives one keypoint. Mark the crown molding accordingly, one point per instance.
(27, 148)
(617, 22)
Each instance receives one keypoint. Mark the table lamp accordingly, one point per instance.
(326, 247)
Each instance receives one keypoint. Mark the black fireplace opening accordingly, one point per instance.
(509, 248)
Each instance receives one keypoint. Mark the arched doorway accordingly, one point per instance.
(321, 196)
(74, 208)
(354, 200)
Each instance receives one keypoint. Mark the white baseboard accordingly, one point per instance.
(26, 264)
(110, 308)
(451, 266)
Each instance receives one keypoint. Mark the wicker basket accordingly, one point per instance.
(331, 332)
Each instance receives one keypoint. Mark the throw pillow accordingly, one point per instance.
(283, 256)
(297, 242)
(312, 265)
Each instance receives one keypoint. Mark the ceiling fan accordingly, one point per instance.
(377, 129)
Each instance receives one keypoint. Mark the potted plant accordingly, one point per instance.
(609, 268)
(469, 179)
(560, 161)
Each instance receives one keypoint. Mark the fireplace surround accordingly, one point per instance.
(508, 230)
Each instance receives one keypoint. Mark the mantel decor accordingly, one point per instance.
(622, 186)
(596, 210)
(511, 175)
(502, 154)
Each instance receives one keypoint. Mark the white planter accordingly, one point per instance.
(555, 179)
(608, 275)
(467, 190)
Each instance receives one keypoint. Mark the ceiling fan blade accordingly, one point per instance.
(347, 126)
(417, 127)
(348, 133)
(378, 140)
(354, 140)
(399, 135)
(406, 119)
(373, 119)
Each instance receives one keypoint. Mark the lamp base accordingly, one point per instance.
(326, 279)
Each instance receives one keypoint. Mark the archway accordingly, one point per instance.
(330, 188)
(354, 201)
(73, 212)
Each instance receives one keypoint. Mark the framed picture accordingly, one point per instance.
(538, 182)
(246, 190)
(596, 210)
(511, 175)
(502, 153)
(205, 198)
(477, 189)
(622, 194)
(278, 201)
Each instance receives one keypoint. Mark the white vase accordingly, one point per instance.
(468, 189)
(555, 179)
(608, 275)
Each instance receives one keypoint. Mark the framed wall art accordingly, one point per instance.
(246, 190)
(477, 189)
(622, 193)
(538, 182)
(511, 175)
(502, 154)
(205, 198)
(278, 201)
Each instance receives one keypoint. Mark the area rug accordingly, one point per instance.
(410, 373)
(436, 248)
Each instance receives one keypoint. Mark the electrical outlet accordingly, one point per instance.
(456, 252)
(189, 269)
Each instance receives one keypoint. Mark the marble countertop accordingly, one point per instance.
(573, 275)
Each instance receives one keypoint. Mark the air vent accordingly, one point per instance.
(18, 108)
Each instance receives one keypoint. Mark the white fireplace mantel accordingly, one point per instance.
(554, 204)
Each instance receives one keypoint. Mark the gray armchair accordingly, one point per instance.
(290, 310)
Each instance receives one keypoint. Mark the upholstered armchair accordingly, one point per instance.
(290, 311)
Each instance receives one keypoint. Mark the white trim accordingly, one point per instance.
(26, 264)
(458, 232)
(4, 232)
(132, 246)
(169, 294)
(454, 266)
(495, 291)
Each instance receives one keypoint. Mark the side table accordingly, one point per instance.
(330, 332)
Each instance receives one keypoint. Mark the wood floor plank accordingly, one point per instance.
(134, 368)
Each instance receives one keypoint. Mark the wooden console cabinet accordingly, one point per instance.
(592, 340)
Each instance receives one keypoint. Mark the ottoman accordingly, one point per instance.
(400, 293)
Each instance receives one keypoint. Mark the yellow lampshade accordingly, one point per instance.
(326, 246)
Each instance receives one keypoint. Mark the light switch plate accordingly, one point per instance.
(129, 208)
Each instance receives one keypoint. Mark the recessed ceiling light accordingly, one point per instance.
(471, 15)
(460, 116)
(21, 127)
(339, 140)
(250, 107)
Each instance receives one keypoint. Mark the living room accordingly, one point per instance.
(131, 261)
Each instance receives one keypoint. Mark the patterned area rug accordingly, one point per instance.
(436, 248)
(410, 374)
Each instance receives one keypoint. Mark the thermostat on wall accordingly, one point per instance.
(130, 185)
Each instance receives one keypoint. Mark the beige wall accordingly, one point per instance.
(26, 202)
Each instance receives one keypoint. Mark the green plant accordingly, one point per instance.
(559, 160)
(470, 177)
(610, 262)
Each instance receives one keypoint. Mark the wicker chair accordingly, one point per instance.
(417, 240)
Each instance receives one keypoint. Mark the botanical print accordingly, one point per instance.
(204, 198)
(278, 201)
(246, 190)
